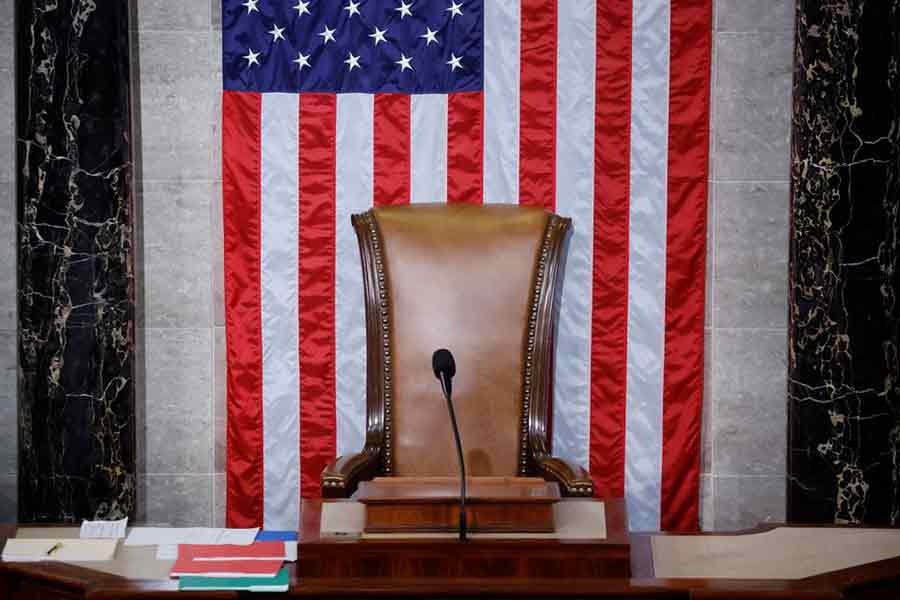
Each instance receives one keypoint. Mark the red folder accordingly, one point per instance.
(221, 552)
(225, 568)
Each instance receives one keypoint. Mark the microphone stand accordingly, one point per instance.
(445, 388)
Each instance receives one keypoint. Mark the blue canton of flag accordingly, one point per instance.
(368, 46)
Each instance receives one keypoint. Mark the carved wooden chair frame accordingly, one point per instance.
(341, 477)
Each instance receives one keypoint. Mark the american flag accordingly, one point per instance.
(597, 110)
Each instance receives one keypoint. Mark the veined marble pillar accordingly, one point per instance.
(843, 360)
(75, 221)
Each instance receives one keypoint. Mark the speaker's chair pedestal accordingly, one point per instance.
(490, 557)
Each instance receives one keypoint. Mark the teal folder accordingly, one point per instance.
(279, 583)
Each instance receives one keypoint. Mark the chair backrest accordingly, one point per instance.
(480, 281)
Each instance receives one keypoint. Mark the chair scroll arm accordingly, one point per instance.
(572, 479)
(343, 474)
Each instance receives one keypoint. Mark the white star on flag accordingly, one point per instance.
(430, 36)
(403, 9)
(454, 62)
(404, 62)
(301, 60)
(277, 33)
(302, 8)
(251, 6)
(327, 35)
(353, 61)
(454, 9)
(378, 35)
(251, 57)
(353, 7)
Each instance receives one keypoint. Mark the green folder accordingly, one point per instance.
(279, 583)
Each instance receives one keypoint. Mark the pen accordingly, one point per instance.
(54, 548)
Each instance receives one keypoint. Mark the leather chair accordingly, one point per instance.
(482, 281)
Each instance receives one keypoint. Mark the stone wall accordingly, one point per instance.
(183, 321)
(8, 410)
(744, 431)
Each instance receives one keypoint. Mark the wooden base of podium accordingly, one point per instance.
(431, 504)
(423, 557)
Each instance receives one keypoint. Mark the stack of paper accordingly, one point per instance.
(72, 550)
(257, 566)
(167, 538)
(103, 529)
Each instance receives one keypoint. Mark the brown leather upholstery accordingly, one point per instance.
(461, 282)
(481, 281)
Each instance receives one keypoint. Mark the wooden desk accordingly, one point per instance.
(484, 556)
(878, 580)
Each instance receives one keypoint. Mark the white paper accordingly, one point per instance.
(167, 552)
(155, 536)
(104, 529)
(290, 551)
(237, 537)
(172, 536)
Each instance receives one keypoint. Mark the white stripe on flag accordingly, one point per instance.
(428, 148)
(279, 310)
(647, 263)
(353, 195)
(501, 101)
(576, 25)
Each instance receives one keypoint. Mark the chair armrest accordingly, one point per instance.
(341, 476)
(572, 479)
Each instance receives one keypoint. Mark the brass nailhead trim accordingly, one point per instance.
(385, 339)
(552, 224)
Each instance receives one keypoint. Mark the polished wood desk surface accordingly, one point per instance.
(57, 580)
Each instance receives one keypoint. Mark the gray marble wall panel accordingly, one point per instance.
(746, 501)
(8, 499)
(751, 255)
(750, 416)
(7, 97)
(752, 99)
(7, 254)
(178, 500)
(180, 82)
(8, 387)
(179, 408)
(753, 16)
(177, 253)
(8, 415)
(177, 96)
(219, 399)
(744, 427)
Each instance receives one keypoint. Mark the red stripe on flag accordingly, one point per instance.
(609, 327)
(318, 122)
(689, 80)
(465, 147)
(391, 163)
(537, 104)
(241, 123)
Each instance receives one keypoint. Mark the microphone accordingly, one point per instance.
(444, 368)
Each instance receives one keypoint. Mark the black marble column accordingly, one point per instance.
(844, 366)
(75, 260)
